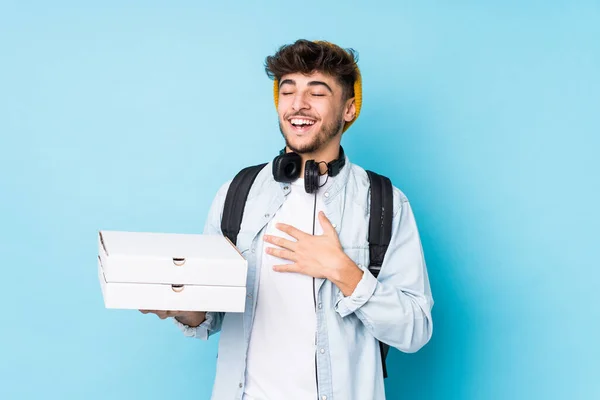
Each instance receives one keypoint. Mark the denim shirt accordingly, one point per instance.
(395, 308)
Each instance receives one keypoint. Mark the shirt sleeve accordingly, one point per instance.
(346, 305)
(396, 306)
(210, 326)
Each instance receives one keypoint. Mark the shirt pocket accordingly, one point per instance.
(360, 256)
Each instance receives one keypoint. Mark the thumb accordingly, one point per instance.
(326, 224)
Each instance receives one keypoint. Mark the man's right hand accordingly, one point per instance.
(190, 318)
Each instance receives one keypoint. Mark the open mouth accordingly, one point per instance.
(301, 125)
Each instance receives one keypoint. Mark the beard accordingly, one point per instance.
(320, 138)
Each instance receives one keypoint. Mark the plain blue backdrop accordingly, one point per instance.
(130, 114)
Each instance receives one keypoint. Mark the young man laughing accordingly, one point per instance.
(315, 315)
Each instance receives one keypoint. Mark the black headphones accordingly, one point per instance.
(286, 168)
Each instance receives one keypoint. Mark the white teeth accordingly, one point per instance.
(298, 121)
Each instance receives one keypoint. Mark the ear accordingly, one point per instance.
(350, 110)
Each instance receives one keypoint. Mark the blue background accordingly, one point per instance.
(130, 114)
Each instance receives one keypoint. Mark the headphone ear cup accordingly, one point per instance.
(311, 176)
(286, 167)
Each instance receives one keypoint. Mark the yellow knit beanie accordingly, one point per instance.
(357, 91)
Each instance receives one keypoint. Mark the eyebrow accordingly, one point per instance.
(311, 83)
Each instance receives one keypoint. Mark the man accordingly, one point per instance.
(314, 313)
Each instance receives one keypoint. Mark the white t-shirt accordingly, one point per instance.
(281, 353)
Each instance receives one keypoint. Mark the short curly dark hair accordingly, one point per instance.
(306, 57)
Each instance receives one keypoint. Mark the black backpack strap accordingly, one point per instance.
(380, 223)
(235, 201)
(380, 232)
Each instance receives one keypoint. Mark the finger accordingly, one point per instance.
(281, 242)
(292, 231)
(282, 253)
(286, 268)
(326, 224)
(162, 314)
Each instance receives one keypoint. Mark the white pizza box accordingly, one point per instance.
(171, 271)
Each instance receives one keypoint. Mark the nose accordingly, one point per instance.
(299, 102)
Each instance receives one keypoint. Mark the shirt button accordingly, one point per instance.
(334, 225)
(241, 384)
(286, 187)
(324, 397)
(267, 215)
(322, 351)
(326, 194)
(320, 306)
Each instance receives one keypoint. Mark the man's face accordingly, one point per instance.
(311, 110)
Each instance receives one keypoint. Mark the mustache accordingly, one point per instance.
(300, 114)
